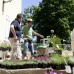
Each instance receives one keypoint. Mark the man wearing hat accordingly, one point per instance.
(27, 32)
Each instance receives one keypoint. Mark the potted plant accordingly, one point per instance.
(18, 65)
(60, 50)
(8, 65)
(58, 63)
(3, 65)
(48, 64)
(22, 65)
(0, 64)
(36, 55)
(39, 64)
(35, 64)
(40, 55)
(71, 63)
(26, 65)
(30, 64)
(9, 47)
(13, 65)
(44, 63)
(52, 64)
(62, 64)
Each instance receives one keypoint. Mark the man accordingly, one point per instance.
(14, 37)
(27, 32)
(72, 42)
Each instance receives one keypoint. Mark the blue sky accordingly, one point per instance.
(26, 3)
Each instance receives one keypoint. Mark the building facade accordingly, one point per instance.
(8, 12)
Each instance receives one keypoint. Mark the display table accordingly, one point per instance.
(29, 71)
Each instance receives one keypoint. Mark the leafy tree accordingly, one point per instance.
(52, 14)
(28, 13)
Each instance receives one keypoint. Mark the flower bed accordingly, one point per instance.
(56, 62)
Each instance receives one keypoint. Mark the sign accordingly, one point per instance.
(68, 69)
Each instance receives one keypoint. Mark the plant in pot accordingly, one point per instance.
(0, 47)
(22, 65)
(13, 65)
(30, 64)
(44, 63)
(58, 64)
(56, 50)
(9, 47)
(18, 65)
(43, 54)
(60, 50)
(52, 64)
(40, 55)
(26, 65)
(39, 64)
(35, 64)
(62, 64)
(35, 55)
(3, 65)
(71, 63)
(0, 64)
(48, 64)
(8, 65)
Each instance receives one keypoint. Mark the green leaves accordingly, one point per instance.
(58, 60)
(52, 14)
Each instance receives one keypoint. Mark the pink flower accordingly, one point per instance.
(51, 72)
(54, 73)
(60, 73)
(45, 72)
(52, 31)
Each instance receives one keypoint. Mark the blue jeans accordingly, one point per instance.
(26, 46)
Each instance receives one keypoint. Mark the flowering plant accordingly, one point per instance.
(51, 72)
(68, 47)
(45, 58)
(44, 62)
(5, 45)
(53, 39)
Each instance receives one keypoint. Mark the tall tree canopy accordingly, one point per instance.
(52, 14)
